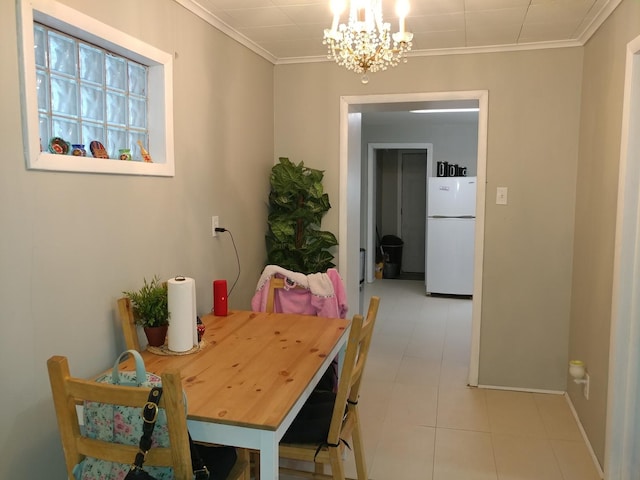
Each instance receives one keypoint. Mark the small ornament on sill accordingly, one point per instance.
(78, 150)
(145, 154)
(59, 146)
(98, 150)
(125, 154)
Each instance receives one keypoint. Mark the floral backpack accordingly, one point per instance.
(120, 424)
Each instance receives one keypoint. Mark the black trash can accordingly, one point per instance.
(392, 249)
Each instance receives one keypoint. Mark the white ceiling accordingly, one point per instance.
(288, 31)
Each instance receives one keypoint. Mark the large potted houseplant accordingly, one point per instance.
(297, 203)
(151, 310)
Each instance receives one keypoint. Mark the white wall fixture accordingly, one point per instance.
(577, 370)
(580, 376)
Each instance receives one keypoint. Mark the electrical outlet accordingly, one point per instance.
(215, 223)
(585, 387)
(501, 195)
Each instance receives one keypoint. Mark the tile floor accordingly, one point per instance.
(421, 422)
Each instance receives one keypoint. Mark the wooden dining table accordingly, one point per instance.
(251, 375)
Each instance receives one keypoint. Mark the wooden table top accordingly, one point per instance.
(253, 365)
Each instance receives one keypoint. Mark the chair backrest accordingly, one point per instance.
(129, 329)
(69, 391)
(353, 365)
(276, 283)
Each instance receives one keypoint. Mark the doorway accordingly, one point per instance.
(421, 153)
(351, 180)
(413, 211)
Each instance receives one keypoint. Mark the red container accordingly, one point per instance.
(220, 298)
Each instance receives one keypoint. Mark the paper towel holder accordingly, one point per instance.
(179, 278)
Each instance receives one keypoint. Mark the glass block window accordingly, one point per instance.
(87, 93)
(83, 81)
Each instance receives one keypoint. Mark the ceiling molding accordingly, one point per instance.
(606, 8)
(194, 7)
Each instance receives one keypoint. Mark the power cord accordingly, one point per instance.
(220, 229)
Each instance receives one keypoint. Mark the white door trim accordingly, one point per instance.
(623, 420)
(371, 194)
(350, 184)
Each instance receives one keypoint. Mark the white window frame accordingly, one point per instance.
(160, 93)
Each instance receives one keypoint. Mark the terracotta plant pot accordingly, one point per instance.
(156, 335)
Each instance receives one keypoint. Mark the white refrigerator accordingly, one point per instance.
(451, 211)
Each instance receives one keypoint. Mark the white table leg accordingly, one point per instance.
(268, 456)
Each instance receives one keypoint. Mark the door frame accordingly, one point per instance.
(623, 386)
(351, 184)
(370, 230)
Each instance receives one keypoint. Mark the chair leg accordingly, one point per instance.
(245, 456)
(337, 467)
(358, 449)
(255, 461)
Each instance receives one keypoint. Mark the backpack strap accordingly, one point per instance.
(149, 417)
(200, 470)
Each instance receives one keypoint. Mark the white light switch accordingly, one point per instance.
(501, 196)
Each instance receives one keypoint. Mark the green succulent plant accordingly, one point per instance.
(297, 203)
(150, 303)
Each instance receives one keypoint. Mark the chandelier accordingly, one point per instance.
(365, 44)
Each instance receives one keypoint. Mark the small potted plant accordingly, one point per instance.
(151, 310)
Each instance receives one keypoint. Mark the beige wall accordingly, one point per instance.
(71, 243)
(599, 155)
(534, 105)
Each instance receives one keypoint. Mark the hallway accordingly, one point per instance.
(421, 421)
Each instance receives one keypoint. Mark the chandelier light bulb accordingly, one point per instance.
(337, 6)
(402, 8)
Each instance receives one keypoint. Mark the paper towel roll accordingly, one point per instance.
(183, 333)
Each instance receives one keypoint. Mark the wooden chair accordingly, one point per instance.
(345, 421)
(69, 391)
(129, 329)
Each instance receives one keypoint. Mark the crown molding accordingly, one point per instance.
(194, 7)
(586, 30)
(605, 10)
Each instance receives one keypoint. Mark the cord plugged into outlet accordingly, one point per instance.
(217, 229)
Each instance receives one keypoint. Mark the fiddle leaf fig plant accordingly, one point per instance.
(297, 203)
(150, 303)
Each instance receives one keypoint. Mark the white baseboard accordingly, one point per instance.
(584, 436)
(527, 390)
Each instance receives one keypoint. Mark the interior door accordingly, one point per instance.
(413, 209)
